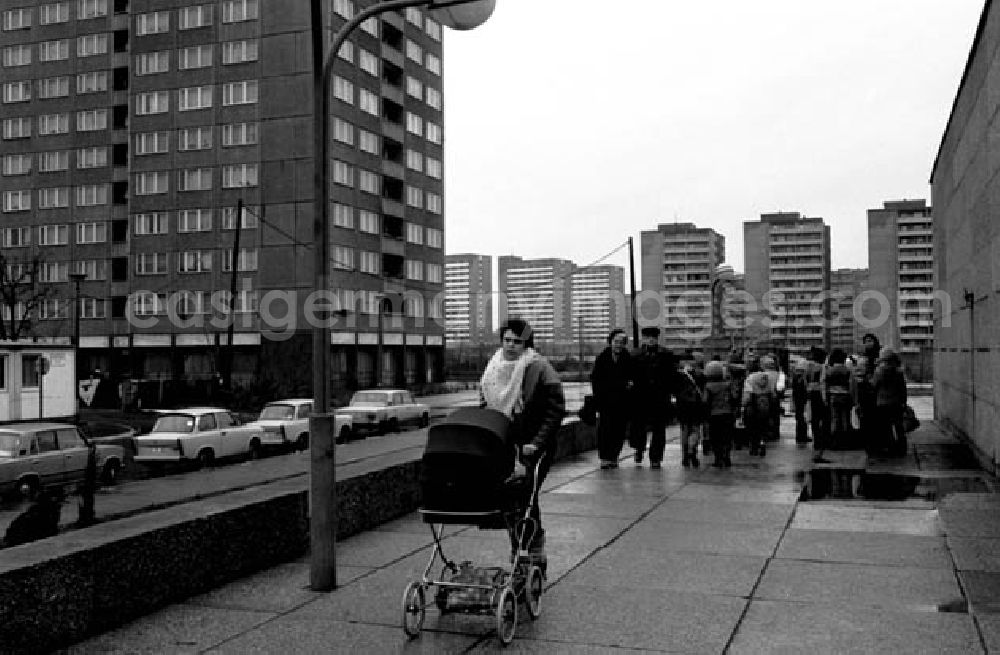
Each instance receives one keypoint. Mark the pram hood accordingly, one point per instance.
(472, 431)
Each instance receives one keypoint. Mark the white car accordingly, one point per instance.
(286, 424)
(201, 434)
(385, 410)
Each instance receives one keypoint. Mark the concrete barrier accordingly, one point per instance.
(57, 591)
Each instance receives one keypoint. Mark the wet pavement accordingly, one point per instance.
(673, 560)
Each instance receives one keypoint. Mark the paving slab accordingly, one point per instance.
(597, 531)
(622, 482)
(175, 629)
(626, 569)
(738, 490)
(865, 548)
(847, 517)
(983, 591)
(597, 505)
(523, 646)
(795, 628)
(681, 622)
(670, 535)
(374, 549)
(989, 625)
(772, 515)
(970, 501)
(975, 554)
(892, 587)
(413, 523)
(978, 522)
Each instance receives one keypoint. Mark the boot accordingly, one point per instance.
(694, 457)
(685, 461)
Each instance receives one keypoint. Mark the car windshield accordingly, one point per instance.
(8, 444)
(174, 423)
(368, 398)
(277, 412)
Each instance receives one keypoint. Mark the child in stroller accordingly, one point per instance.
(469, 477)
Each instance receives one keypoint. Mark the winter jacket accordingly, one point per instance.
(838, 380)
(719, 398)
(653, 376)
(611, 380)
(889, 385)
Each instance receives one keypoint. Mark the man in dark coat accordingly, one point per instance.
(654, 369)
(611, 382)
(871, 348)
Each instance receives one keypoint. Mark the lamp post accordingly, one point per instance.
(76, 278)
(457, 14)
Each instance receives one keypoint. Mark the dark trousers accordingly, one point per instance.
(820, 420)
(612, 424)
(536, 513)
(801, 426)
(658, 440)
(721, 428)
(887, 428)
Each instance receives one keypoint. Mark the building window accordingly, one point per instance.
(16, 201)
(194, 97)
(198, 56)
(51, 14)
(195, 261)
(368, 221)
(53, 235)
(152, 102)
(368, 62)
(435, 237)
(91, 9)
(433, 29)
(17, 19)
(194, 138)
(344, 8)
(16, 237)
(151, 183)
(414, 269)
(89, 45)
(433, 63)
(369, 182)
(239, 93)
(96, 232)
(91, 195)
(369, 142)
(53, 161)
(249, 221)
(414, 16)
(239, 134)
(92, 269)
(434, 168)
(343, 131)
(151, 263)
(90, 120)
(96, 157)
(93, 82)
(343, 173)
(433, 98)
(414, 124)
(16, 164)
(415, 233)
(189, 18)
(17, 128)
(53, 198)
(239, 52)
(346, 51)
(414, 88)
(368, 102)
(413, 306)
(156, 22)
(234, 11)
(17, 55)
(151, 63)
(414, 52)
(194, 179)
(93, 307)
(53, 50)
(414, 197)
(152, 143)
(343, 216)
(147, 303)
(343, 90)
(370, 262)
(370, 26)
(434, 134)
(53, 308)
(434, 273)
(342, 257)
(17, 91)
(246, 261)
(235, 176)
(194, 220)
(151, 223)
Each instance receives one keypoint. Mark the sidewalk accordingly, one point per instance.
(675, 560)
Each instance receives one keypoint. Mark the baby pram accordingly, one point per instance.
(469, 478)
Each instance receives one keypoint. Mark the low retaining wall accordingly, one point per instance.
(60, 590)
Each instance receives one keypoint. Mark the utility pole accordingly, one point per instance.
(634, 309)
(227, 366)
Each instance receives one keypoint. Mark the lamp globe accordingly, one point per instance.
(464, 16)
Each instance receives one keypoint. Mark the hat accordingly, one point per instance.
(651, 331)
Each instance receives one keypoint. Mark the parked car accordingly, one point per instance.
(37, 455)
(385, 410)
(286, 424)
(201, 434)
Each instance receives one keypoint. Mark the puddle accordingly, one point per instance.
(854, 483)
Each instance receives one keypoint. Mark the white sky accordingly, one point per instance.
(571, 127)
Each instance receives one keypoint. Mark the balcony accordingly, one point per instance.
(393, 131)
(391, 92)
(392, 55)
(393, 18)
(392, 169)
(392, 246)
(392, 208)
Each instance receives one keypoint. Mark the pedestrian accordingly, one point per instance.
(721, 404)
(769, 365)
(800, 397)
(520, 383)
(890, 402)
(866, 391)
(838, 393)
(759, 402)
(736, 370)
(690, 413)
(653, 369)
(818, 417)
(611, 383)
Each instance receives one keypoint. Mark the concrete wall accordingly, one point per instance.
(60, 590)
(966, 197)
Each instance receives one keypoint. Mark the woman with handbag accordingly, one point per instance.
(611, 382)
(890, 402)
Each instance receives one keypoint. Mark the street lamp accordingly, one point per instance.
(456, 14)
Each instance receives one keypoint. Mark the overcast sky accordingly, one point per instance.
(570, 127)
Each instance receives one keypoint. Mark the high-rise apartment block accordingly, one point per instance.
(846, 284)
(678, 266)
(787, 260)
(469, 299)
(599, 303)
(901, 261)
(538, 291)
(133, 128)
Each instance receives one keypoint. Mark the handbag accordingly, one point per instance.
(588, 413)
(910, 420)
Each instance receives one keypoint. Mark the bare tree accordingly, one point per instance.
(21, 294)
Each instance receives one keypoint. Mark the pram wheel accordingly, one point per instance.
(414, 609)
(533, 587)
(506, 615)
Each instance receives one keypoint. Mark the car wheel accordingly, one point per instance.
(111, 473)
(302, 443)
(255, 450)
(345, 434)
(425, 420)
(393, 425)
(383, 427)
(29, 488)
(206, 458)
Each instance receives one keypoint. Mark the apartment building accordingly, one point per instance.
(599, 303)
(469, 300)
(901, 261)
(540, 292)
(787, 259)
(846, 284)
(133, 129)
(678, 262)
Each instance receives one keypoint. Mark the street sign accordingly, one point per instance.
(42, 365)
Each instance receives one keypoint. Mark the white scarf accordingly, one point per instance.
(502, 380)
